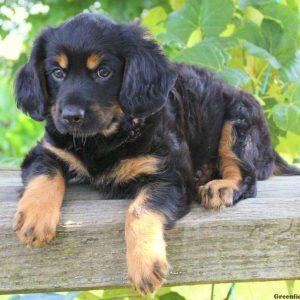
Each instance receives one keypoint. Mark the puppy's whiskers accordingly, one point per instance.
(85, 138)
(74, 139)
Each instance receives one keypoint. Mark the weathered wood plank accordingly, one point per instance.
(258, 239)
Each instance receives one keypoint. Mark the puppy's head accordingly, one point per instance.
(89, 73)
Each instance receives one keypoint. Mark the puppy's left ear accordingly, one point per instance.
(148, 76)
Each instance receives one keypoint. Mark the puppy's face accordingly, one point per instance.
(89, 73)
(83, 88)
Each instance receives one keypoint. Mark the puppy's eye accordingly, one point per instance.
(58, 74)
(103, 73)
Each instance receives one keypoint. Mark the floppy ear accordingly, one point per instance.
(29, 84)
(148, 77)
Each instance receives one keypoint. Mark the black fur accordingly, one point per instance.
(29, 85)
(148, 77)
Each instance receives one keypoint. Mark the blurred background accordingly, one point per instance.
(252, 44)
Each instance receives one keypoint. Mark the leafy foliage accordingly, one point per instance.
(238, 39)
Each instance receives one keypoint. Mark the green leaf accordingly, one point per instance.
(176, 4)
(287, 116)
(290, 286)
(289, 145)
(168, 38)
(273, 31)
(153, 19)
(233, 76)
(280, 27)
(291, 73)
(260, 52)
(251, 33)
(205, 54)
(276, 34)
(212, 16)
(171, 296)
(279, 43)
(244, 3)
(87, 296)
(295, 94)
(283, 14)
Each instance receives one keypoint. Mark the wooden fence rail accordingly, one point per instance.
(258, 239)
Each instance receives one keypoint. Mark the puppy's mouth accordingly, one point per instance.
(89, 128)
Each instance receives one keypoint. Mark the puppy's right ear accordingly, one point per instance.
(30, 91)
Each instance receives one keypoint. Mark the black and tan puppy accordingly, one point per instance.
(118, 115)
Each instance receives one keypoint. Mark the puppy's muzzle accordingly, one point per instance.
(72, 115)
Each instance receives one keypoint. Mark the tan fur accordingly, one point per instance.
(219, 193)
(228, 165)
(131, 168)
(117, 110)
(146, 248)
(111, 130)
(74, 163)
(62, 60)
(93, 61)
(38, 211)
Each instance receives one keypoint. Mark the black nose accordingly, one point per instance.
(73, 115)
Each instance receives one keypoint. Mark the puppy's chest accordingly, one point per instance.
(111, 170)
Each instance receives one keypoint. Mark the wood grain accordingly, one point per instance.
(258, 239)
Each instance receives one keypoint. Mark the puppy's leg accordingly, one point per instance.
(238, 176)
(150, 213)
(38, 211)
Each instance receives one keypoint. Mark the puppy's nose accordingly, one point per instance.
(73, 115)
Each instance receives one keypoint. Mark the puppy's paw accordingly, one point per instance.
(35, 221)
(146, 271)
(216, 194)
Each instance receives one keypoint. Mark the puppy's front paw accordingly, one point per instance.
(216, 194)
(146, 271)
(146, 249)
(38, 211)
(35, 221)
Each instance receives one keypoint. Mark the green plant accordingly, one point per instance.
(249, 43)
(253, 44)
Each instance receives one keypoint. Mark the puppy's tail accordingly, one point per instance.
(283, 168)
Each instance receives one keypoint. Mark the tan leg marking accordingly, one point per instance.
(38, 211)
(62, 60)
(146, 248)
(217, 194)
(74, 163)
(93, 61)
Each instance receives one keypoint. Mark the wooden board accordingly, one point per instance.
(258, 239)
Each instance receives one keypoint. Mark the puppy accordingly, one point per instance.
(118, 115)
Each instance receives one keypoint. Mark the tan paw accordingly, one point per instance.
(217, 194)
(38, 212)
(146, 272)
(35, 222)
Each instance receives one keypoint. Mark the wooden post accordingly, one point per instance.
(258, 239)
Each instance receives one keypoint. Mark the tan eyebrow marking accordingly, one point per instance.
(62, 60)
(93, 61)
